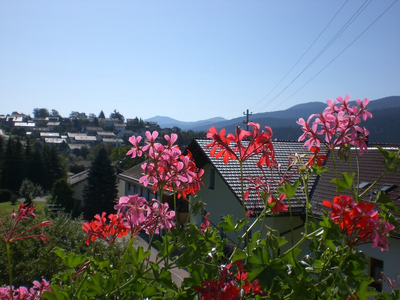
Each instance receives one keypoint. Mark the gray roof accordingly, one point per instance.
(230, 172)
(77, 178)
(133, 175)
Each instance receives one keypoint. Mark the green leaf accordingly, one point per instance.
(56, 294)
(227, 223)
(70, 259)
(365, 290)
(239, 255)
(319, 170)
(240, 224)
(149, 291)
(137, 255)
(384, 201)
(95, 284)
(290, 189)
(344, 183)
(258, 261)
(391, 159)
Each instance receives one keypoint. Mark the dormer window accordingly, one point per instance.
(387, 187)
(363, 184)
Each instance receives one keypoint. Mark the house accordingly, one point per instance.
(72, 135)
(52, 119)
(371, 166)
(55, 141)
(85, 139)
(92, 131)
(109, 121)
(119, 126)
(222, 194)
(26, 125)
(128, 184)
(115, 142)
(52, 135)
(51, 125)
(222, 187)
(122, 134)
(104, 134)
(78, 182)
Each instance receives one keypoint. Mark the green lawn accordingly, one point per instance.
(7, 207)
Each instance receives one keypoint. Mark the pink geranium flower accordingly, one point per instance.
(337, 126)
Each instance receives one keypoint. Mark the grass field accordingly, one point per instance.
(6, 208)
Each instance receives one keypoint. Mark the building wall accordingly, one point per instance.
(391, 259)
(79, 190)
(221, 201)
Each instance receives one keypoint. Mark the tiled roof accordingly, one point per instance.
(371, 167)
(132, 175)
(112, 140)
(230, 172)
(85, 138)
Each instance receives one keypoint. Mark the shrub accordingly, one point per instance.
(32, 260)
(5, 195)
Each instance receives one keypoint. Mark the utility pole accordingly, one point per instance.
(247, 118)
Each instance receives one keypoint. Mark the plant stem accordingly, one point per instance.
(130, 243)
(244, 207)
(334, 163)
(9, 269)
(373, 184)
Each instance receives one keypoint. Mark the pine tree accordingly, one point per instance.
(47, 185)
(101, 115)
(13, 169)
(53, 166)
(37, 170)
(2, 150)
(101, 191)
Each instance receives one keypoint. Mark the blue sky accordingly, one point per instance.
(193, 60)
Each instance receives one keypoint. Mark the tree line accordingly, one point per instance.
(38, 162)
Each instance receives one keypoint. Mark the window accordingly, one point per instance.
(363, 184)
(129, 187)
(387, 187)
(211, 184)
(375, 271)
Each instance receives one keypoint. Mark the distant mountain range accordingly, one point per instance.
(167, 122)
(283, 123)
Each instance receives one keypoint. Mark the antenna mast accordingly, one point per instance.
(247, 114)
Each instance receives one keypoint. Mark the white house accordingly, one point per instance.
(222, 194)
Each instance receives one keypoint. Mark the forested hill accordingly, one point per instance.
(384, 127)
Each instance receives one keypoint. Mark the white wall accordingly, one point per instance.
(391, 258)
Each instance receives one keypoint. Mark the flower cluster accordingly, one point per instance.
(134, 214)
(166, 167)
(24, 212)
(232, 284)
(337, 126)
(22, 293)
(100, 228)
(233, 147)
(359, 222)
(279, 205)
